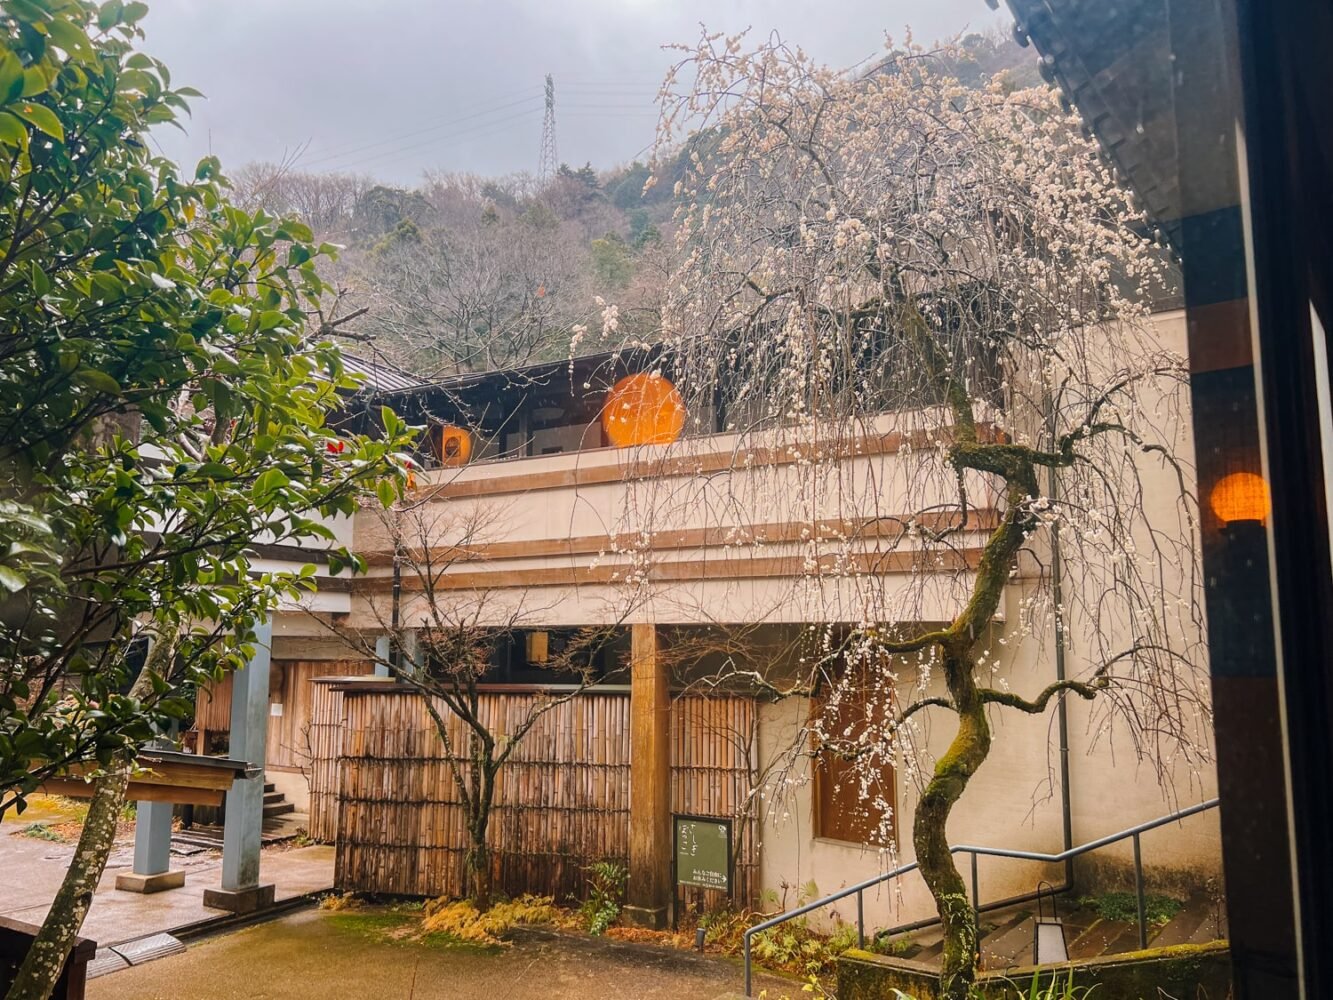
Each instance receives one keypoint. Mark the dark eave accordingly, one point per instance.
(1113, 62)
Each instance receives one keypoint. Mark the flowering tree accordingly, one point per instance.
(948, 276)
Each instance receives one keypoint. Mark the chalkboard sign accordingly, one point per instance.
(703, 851)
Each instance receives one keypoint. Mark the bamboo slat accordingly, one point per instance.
(562, 800)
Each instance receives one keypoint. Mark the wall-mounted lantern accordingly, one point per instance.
(1241, 497)
(643, 409)
(454, 446)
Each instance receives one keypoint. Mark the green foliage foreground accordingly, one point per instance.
(166, 375)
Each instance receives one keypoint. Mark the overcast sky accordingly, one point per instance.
(395, 87)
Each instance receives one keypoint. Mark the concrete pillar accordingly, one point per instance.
(648, 894)
(383, 649)
(152, 846)
(242, 835)
(152, 852)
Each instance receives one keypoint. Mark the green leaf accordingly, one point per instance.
(11, 77)
(11, 579)
(41, 284)
(110, 14)
(269, 482)
(387, 493)
(40, 117)
(100, 381)
(70, 37)
(216, 470)
(34, 82)
(12, 132)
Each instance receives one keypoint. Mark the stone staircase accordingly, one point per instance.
(1006, 935)
(282, 821)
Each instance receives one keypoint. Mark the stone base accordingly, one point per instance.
(653, 917)
(134, 882)
(252, 900)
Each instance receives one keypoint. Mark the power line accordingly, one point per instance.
(436, 139)
(398, 137)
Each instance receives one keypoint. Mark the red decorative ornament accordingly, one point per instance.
(336, 447)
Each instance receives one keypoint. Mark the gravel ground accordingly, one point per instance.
(323, 955)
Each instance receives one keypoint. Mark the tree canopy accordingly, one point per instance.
(168, 378)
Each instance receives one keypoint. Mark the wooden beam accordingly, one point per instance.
(673, 464)
(648, 894)
(139, 791)
(981, 520)
(688, 571)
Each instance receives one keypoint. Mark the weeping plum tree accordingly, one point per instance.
(950, 278)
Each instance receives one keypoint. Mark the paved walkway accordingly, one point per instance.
(33, 870)
(317, 954)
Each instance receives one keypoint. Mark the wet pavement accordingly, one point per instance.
(319, 955)
(33, 868)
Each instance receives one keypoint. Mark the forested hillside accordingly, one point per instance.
(466, 273)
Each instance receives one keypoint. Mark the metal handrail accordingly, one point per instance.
(859, 888)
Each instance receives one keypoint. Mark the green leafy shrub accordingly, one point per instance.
(1123, 907)
(606, 895)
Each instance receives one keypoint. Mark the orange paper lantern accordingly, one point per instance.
(1241, 496)
(455, 446)
(643, 409)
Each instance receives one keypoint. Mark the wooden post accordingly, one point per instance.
(648, 894)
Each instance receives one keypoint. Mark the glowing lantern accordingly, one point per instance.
(643, 409)
(1241, 496)
(455, 446)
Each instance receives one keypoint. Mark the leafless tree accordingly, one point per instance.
(442, 645)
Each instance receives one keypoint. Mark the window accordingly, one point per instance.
(849, 796)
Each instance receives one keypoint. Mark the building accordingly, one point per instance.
(526, 519)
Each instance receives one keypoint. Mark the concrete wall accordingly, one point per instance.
(1013, 802)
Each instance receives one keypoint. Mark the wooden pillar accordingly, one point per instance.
(648, 895)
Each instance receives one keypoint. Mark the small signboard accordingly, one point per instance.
(702, 851)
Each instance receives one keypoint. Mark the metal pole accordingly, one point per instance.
(860, 920)
(976, 904)
(1138, 889)
(1061, 707)
(746, 948)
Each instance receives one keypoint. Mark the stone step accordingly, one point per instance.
(278, 809)
(1180, 929)
(1010, 944)
(271, 797)
(269, 786)
(1105, 937)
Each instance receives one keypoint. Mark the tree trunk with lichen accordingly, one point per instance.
(971, 744)
(46, 958)
(970, 747)
(36, 978)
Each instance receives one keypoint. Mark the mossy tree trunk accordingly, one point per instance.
(41, 967)
(969, 749)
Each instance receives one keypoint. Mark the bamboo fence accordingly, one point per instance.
(562, 801)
